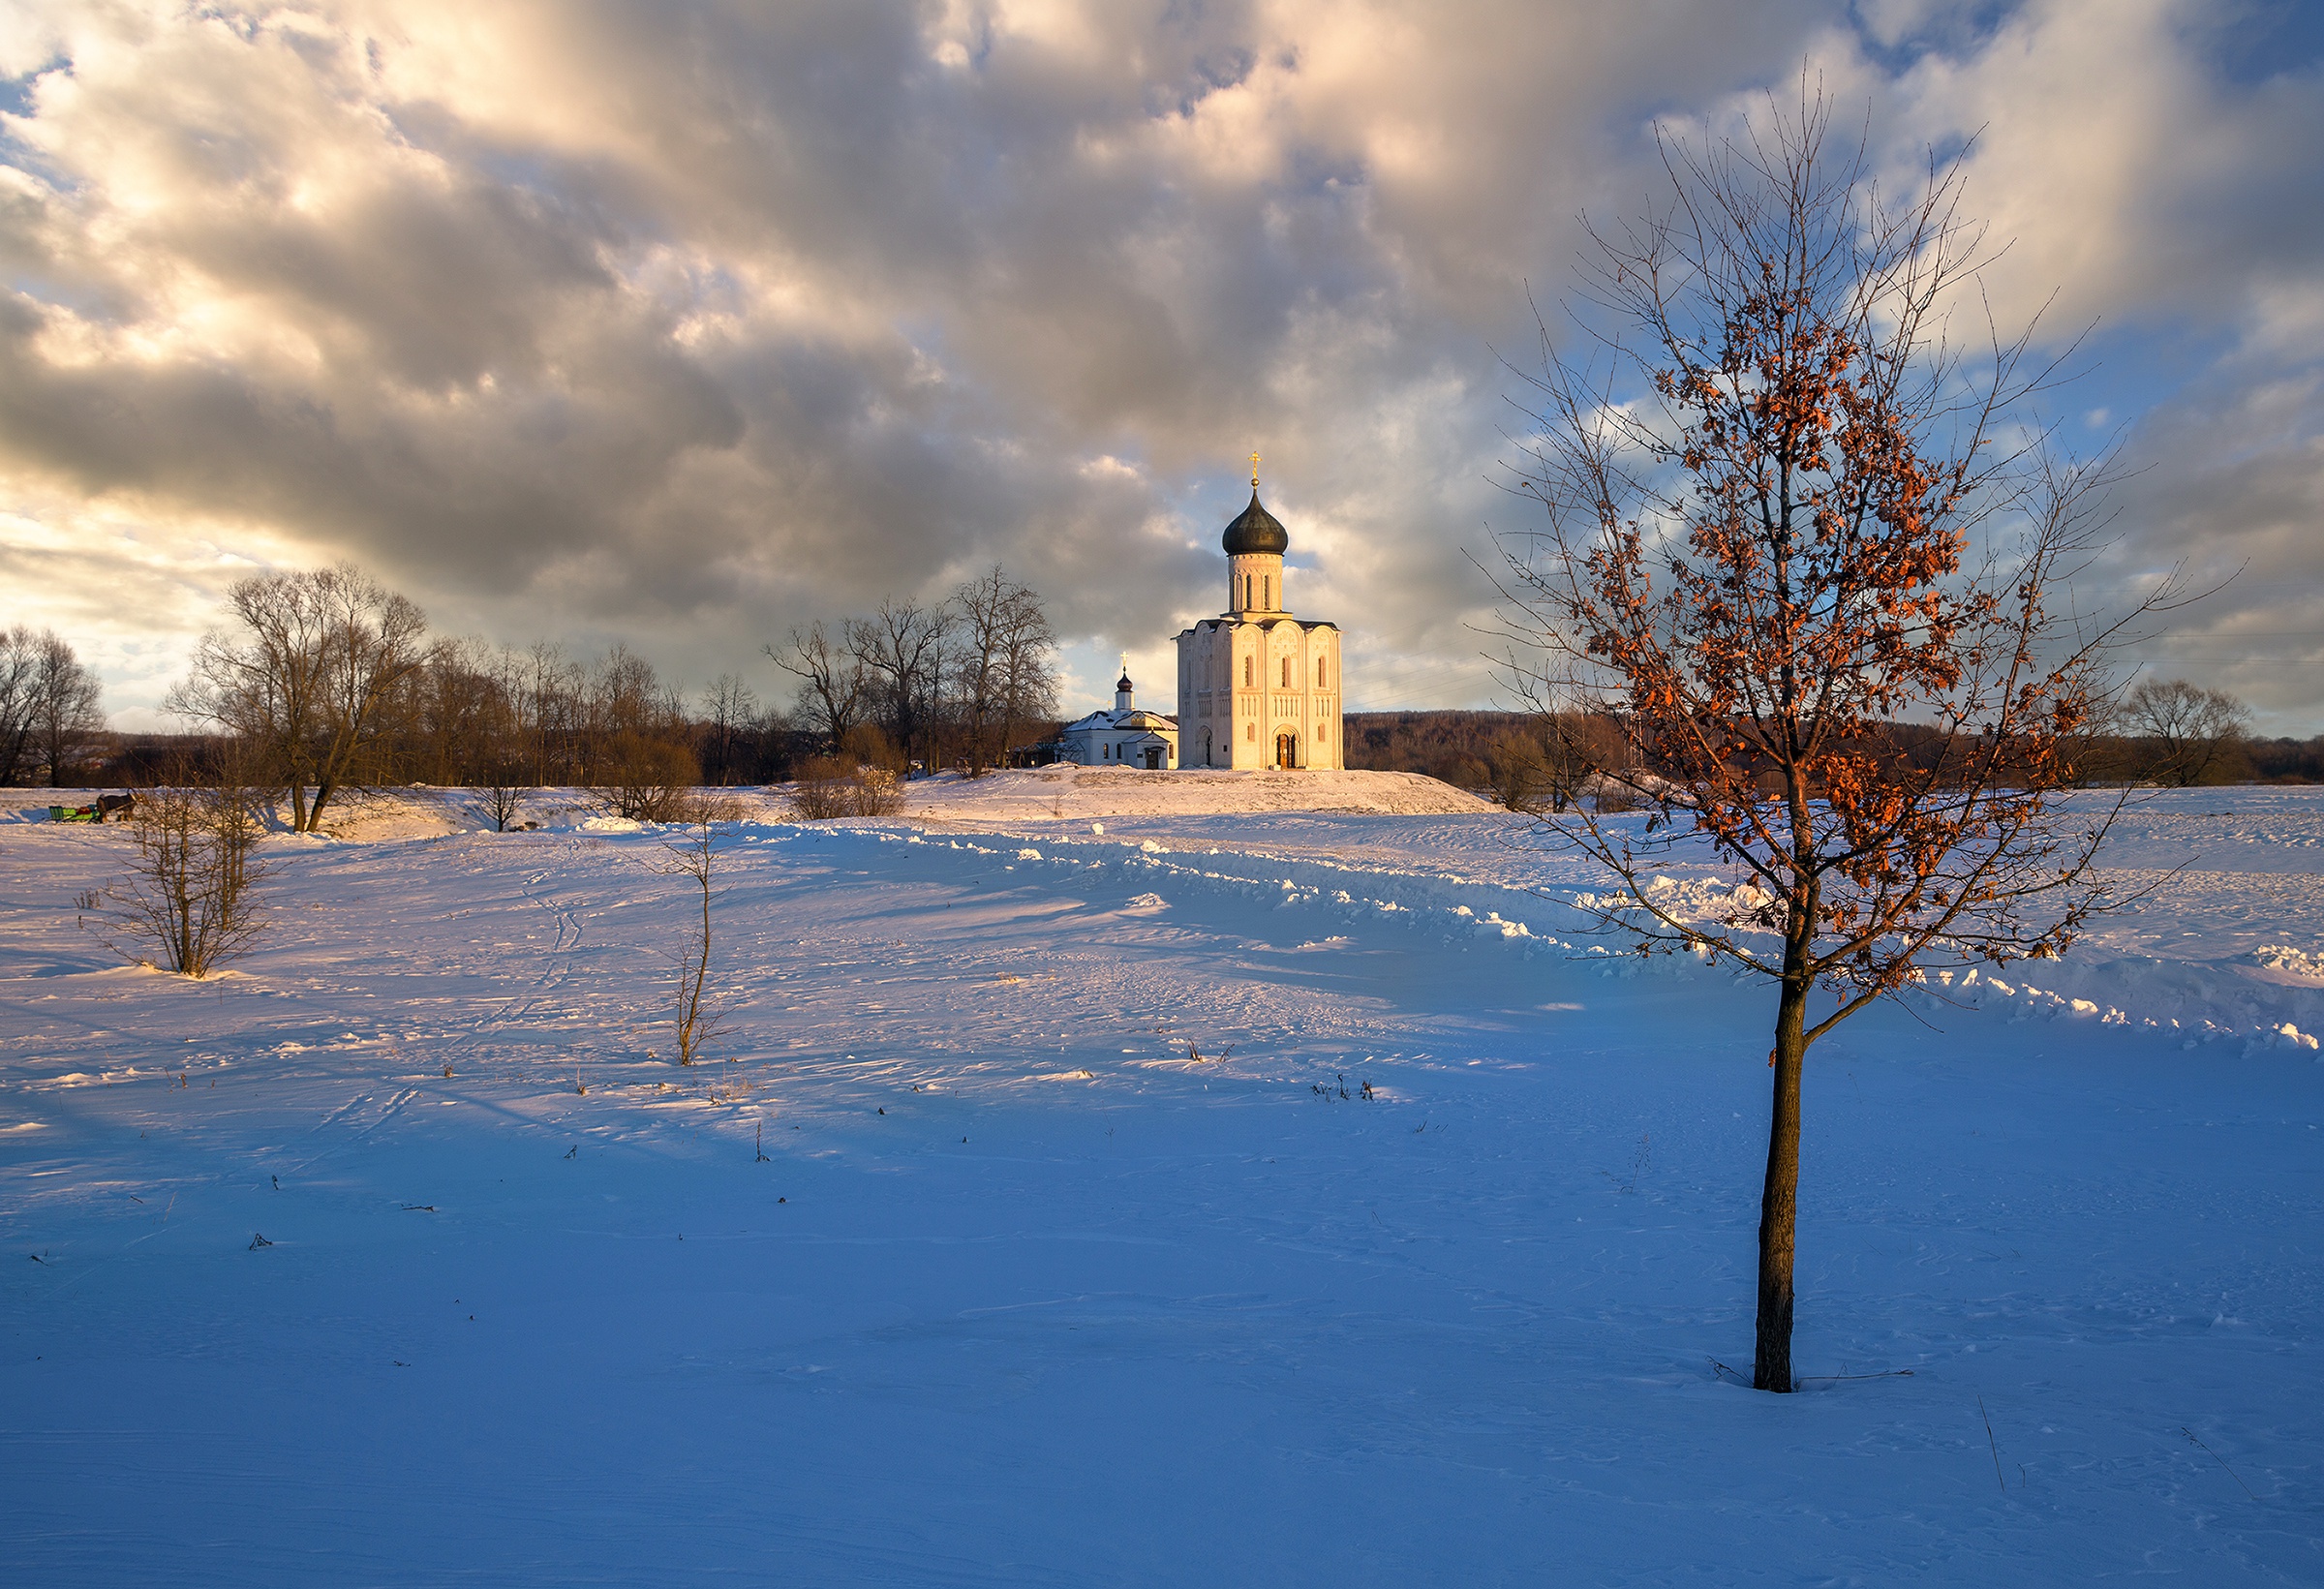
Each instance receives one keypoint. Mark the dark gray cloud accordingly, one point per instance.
(679, 324)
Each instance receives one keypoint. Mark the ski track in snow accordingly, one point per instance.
(1048, 1300)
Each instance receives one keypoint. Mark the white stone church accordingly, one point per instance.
(1258, 687)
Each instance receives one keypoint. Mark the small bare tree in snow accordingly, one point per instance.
(188, 903)
(500, 796)
(694, 858)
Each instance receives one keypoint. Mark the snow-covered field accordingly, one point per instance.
(958, 1267)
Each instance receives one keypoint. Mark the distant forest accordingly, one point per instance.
(1484, 752)
(1491, 752)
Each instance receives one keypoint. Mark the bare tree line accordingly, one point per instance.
(2167, 733)
(49, 717)
(960, 683)
(321, 680)
(329, 680)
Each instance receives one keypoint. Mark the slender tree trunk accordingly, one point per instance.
(1779, 1201)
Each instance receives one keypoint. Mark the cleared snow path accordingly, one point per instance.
(1022, 1292)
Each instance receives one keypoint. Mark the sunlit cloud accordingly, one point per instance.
(681, 324)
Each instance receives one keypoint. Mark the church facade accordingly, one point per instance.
(1258, 687)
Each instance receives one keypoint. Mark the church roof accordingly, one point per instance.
(1114, 721)
(1228, 622)
(1256, 530)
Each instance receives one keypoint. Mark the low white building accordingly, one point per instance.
(1124, 737)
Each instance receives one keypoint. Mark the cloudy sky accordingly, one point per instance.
(680, 323)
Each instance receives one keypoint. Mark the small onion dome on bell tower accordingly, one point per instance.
(1124, 698)
(1256, 530)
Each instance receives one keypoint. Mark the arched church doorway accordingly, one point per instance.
(1287, 749)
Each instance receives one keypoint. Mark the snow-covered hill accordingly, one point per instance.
(1082, 792)
(1025, 795)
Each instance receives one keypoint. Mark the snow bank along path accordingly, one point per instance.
(964, 1270)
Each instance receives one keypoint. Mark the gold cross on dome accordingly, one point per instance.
(1254, 470)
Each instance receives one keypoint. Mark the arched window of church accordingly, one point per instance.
(1266, 586)
(1319, 730)
(1286, 673)
(1246, 673)
(1250, 731)
(1319, 673)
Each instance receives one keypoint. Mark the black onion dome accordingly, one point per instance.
(1256, 530)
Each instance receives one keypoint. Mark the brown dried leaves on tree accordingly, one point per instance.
(1785, 513)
